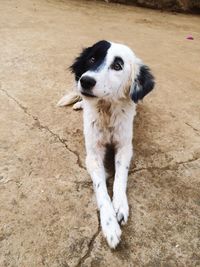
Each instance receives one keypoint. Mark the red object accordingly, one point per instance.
(189, 37)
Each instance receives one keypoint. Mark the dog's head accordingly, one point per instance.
(111, 70)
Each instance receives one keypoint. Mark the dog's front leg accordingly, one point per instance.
(122, 162)
(109, 224)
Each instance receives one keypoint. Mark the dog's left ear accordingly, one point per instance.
(143, 84)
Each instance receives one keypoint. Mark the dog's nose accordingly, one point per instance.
(87, 82)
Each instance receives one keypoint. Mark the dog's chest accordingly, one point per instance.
(105, 117)
(107, 123)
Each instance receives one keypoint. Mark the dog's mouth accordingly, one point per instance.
(87, 94)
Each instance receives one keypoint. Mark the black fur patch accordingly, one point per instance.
(90, 58)
(109, 159)
(143, 84)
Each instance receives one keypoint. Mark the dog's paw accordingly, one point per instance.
(78, 105)
(120, 205)
(69, 99)
(110, 227)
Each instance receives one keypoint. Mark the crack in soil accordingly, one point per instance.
(63, 141)
(90, 245)
(40, 126)
(165, 168)
(195, 129)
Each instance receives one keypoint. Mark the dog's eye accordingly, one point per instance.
(92, 60)
(116, 66)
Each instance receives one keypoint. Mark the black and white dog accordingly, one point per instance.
(110, 80)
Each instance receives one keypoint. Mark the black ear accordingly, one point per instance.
(142, 85)
(79, 67)
(81, 64)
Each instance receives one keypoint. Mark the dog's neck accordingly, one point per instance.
(105, 111)
(104, 107)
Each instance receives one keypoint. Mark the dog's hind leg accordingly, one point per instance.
(69, 99)
(78, 105)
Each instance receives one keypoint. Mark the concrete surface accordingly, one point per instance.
(48, 213)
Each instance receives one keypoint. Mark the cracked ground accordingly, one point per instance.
(48, 213)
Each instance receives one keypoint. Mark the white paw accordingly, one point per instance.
(120, 205)
(110, 226)
(69, 99)
(78, 105)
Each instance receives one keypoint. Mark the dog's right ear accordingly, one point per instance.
(79, 65)
(84, 61)
(142, 84)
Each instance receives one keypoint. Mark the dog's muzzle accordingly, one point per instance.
(87, 83)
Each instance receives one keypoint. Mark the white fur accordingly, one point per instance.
(69, 99)
(108, 118)
(97, 134)
(78, 105)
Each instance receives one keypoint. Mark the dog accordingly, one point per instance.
(110, 80)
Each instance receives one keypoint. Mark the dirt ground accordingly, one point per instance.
(48, 213)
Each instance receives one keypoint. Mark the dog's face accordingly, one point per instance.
(111, 70)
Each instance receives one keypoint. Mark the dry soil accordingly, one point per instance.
(48, 213)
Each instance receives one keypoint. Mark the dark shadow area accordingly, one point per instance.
(109, 164)
(183, 6)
